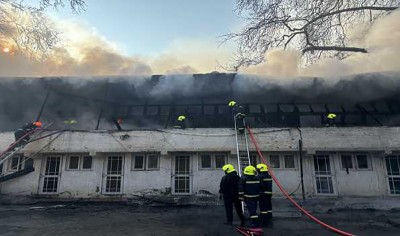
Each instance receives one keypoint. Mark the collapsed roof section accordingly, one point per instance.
(156, 101)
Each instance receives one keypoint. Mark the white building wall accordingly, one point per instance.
(375, 140)
(23, 185)
(137, 182)
(81, 183)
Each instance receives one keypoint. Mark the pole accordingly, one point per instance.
(43, 104)
(301, 168)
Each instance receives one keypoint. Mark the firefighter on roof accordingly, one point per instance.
(22, 132)
(331, 119)
(229, 192)
(265, 194)
(249, 191)
(181, 121)
(239, 114)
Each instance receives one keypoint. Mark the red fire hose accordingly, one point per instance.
(289, 197)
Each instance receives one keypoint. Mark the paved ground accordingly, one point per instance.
(117, 219)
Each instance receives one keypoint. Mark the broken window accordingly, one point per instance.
(274, 161)
(73, 163)
(289, 161)
(152, 161)
(87, 163)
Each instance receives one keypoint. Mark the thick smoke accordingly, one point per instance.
(110, 97)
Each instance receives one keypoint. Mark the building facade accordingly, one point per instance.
(336, 161)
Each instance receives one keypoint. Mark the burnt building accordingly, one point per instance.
(123, 140)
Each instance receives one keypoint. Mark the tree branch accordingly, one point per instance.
(334, 48)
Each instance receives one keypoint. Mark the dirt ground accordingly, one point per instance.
(118, 219)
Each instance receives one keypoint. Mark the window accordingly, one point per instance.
(1, 169)
(362, 161)
(347, 161)
(393, 170)
(274, 161)
(219, 161)
(289, 161)
(205, 161)
(152, 161)
(87, 163)
(355, 161)
(138, 162)
(79, 162)
(145, 161)
(212, 161)
(73, 163)
(16, 163)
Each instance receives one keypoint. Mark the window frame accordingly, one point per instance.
(369, 162)
(213, 160)
(201, 161)
(354, 162)
(282, 161)
(20, 163)
(146, 162)
(391, 177)
(80, 162)
(279, 160)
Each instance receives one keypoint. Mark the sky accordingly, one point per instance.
(148, 27)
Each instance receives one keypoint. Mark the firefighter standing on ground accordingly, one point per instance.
(229, 192)
(265, 194)
(249, 191)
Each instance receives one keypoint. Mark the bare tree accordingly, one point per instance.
(27, 27)
(319, 28)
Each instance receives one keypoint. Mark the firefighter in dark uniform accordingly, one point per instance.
(265, 194)
(23, 131)
(238, 112)
(229, 192)
(249, 191)
(181, 121)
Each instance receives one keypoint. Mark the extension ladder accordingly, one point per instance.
(242, 145)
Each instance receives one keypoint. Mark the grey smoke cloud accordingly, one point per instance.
(84, 99)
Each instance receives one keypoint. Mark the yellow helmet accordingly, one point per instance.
(262, 167)
(249, 170)
(331, 116)
(232, 103)
(228, 168)
(181, 118)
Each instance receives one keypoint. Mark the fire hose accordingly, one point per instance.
(333, 229)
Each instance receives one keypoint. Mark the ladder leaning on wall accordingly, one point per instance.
(242, 145)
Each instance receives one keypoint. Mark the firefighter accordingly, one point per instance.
(181, 121)
(265, 194)
(249, 191)
(238, 112)
(331, 119)
(21, 133)
(229, 192)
